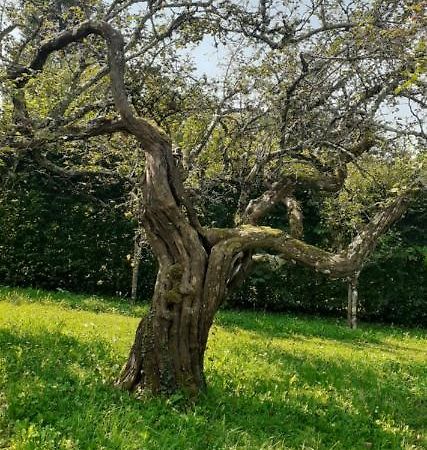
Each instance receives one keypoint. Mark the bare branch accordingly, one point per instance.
(7, 31)
(339, 265)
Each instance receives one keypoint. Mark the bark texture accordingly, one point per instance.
(192, 280)
(166, 354)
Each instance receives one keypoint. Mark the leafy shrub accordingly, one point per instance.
(56, 238)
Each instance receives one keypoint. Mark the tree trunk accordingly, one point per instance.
(135, 277)
(192, 280)
(352, 301)
(170, 342)
(167, 354)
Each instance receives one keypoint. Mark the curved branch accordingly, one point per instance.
(147, 134)
(259, 207)
(339, 265)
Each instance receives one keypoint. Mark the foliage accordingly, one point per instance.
(266, 374)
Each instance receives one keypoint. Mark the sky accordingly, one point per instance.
(210, 59)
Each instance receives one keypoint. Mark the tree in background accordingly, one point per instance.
(302, 104)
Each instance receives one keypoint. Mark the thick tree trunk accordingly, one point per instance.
(167, 353)
(170, 342)
(192, 280)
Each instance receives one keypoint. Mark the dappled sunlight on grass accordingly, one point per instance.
(275, 382)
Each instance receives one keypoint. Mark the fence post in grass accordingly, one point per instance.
(352, 300)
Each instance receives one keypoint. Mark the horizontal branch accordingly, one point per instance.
(99, 127)
(336, 265)
(46, 136)
(66, 172)
(289, 37)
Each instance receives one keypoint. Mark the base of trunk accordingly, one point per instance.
(159, 364)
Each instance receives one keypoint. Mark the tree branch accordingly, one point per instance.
(53, 168)
(339, 265)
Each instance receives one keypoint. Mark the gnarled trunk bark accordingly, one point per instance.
(192, 280)
(170, 342)
(167, 353)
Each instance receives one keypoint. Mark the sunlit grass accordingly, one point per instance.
(275, 382)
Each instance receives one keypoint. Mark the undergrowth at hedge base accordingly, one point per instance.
(275, 382)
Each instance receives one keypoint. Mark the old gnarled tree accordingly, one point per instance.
(198, 265)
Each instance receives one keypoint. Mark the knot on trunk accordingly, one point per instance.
(175, 275)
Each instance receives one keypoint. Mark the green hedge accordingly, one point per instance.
(392, 288)
(55, 237)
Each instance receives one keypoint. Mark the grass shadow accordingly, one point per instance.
(307, 327)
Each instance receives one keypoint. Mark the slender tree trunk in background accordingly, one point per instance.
(136, 262)
(353, 297)
(135, 276)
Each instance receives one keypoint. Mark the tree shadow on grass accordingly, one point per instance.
(288, 326)
(58, 392)
(320, 403)
(59, 395)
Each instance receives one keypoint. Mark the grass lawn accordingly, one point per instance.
(275, 382)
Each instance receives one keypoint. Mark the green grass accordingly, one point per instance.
(275, 382)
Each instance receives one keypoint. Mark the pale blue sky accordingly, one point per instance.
(208, 57)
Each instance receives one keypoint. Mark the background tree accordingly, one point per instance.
(307, 107)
